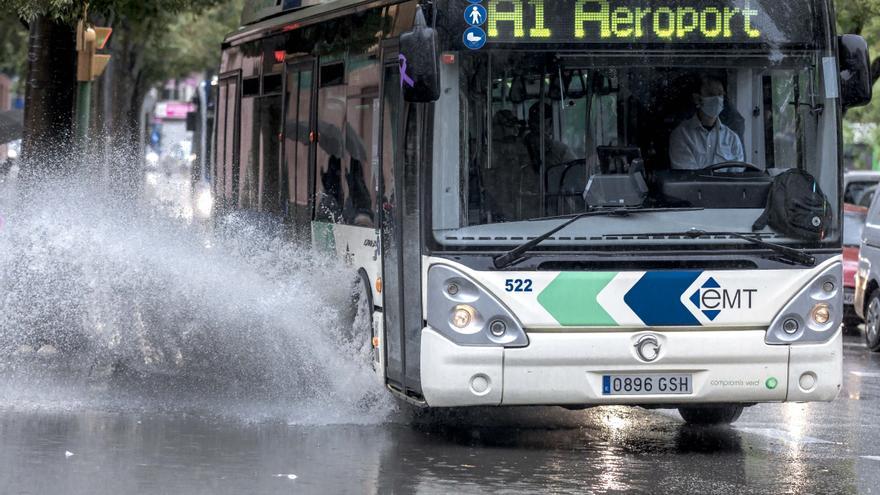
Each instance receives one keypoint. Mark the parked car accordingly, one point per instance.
(853, 223)
(867, 196)
(858, 185)
(866, 299)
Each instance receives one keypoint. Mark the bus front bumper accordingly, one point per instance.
(567, 368)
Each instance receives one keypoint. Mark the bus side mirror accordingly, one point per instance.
(855, 71)
(419, 62)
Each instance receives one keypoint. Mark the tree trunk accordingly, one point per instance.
(50, 93)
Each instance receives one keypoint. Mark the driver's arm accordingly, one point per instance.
(737, 149)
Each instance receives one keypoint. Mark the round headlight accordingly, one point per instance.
(821, 313)
(463, 316)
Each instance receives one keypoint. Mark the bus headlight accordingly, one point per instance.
(467, 314)
(463, 316)
(814, 314)
(821, 313)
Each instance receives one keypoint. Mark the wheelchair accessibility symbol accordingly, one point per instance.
(475, 15)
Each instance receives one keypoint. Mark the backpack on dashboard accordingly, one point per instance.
(796, 207)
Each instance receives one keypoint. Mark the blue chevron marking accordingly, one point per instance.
(656, 298)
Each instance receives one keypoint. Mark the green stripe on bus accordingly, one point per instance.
(323, 238)
(571, 299)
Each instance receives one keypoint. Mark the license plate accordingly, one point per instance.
(647, 384)
(848, 297)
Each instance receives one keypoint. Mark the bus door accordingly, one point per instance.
(400, 232)
(298, 145)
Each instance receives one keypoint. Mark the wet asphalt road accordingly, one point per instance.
(773, 448)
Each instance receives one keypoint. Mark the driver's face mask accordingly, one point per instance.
(712, 106)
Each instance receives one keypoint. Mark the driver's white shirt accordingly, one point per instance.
(693, 147)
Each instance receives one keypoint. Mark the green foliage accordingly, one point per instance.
(13, 44)
(60, 9)
(174, 37)
(71, 10)
(190, 42)
(853, 16)
(862, 17)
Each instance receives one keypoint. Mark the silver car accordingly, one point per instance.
(866, 300)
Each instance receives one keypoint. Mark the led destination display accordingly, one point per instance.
(695, 21)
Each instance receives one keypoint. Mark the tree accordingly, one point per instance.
(13, 43)
(151, 40)
(150, 47)
(863, 17)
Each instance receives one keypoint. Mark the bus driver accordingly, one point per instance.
(702, 140)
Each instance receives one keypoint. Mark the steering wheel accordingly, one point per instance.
(732, 164)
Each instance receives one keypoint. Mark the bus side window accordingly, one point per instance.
(269, 125)
(245, 182)
(297, 145)
(331, 143)
(360, 156)
(260, 126)
(250, 154)
(226, 140)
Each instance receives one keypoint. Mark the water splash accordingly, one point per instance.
(107, 302)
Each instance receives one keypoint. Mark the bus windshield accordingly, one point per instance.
(523, 137)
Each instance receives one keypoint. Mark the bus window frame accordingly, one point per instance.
(609, 58)
(232, 199)
(301, 220)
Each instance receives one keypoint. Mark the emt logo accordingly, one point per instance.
(711, 298)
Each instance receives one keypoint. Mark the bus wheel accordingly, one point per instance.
(710, 415)
(872, 322)
(359, 318)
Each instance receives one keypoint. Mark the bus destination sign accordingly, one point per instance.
(640, 21)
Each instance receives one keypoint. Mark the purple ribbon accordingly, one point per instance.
(403, 77)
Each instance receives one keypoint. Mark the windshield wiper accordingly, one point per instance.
(508, 258)
(792, 254)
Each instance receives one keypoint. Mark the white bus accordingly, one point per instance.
(558, 202)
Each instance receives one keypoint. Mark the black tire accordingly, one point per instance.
(872, 321)
(710, 415)
(358, 320)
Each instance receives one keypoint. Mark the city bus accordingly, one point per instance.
(559, 202)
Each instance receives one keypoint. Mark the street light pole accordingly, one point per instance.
(83, 113)
(85, 47)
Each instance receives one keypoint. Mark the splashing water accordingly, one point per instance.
(107, 302)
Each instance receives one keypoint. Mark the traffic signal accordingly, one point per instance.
(89, 40)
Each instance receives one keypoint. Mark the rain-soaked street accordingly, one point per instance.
(773, 448)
